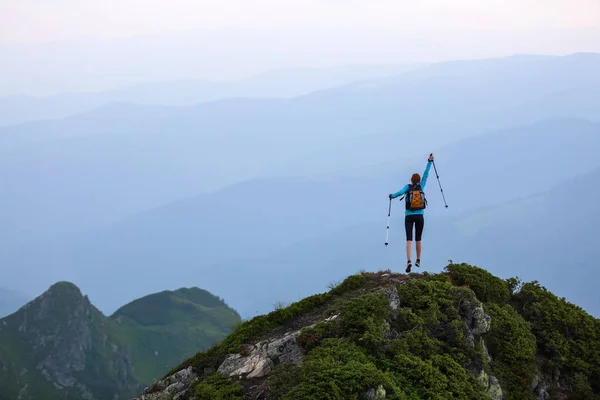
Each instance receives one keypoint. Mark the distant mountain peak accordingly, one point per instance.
(59, 345)
(61, 300)
(63, 288)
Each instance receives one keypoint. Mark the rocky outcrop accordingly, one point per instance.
(261, 358)
(493, 389)
(373, 394)
(546, 380)
(477, 322)
(254, 365)
(392, 295)
(255, 361)
(176, 387)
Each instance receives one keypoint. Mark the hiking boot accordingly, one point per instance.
(408, 266)
(418, 263)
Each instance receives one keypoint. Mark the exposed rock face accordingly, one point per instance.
(286, 349)
(255, 362)
(175, 387)
(373, 394)
(543, 382)
(392, 295)
(493, 389)
(477, 322)
(263, 357)
(254, 365)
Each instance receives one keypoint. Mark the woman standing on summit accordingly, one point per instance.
(414, 214)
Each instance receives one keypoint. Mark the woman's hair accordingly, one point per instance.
(415, 178)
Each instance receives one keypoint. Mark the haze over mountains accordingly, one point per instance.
(269, 194)
(278, 83)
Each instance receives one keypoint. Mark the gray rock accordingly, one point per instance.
(263, 356)
(540, 387)
(333, 317)
(542, 394)
(392, 295)
(373, 394)
(493, 389)
(256, 364)
(476, 321)
(23, 393)
(175, 387)
(481, 322)
(286, 349)
(485, 350)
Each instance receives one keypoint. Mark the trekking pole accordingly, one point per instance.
(388, 222)
(438, 179)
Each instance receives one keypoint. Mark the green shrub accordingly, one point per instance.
(566, 336)
(312, 337)
(512, 347)
(439, 377)
(352, 282)
(487, 287)
(282, 379)
(439, 308)
(339, 370)
(363, 319)
(218, 387)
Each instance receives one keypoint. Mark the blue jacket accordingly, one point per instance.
(406, 187)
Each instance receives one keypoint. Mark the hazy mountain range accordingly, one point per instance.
(268, 194)
(102, 166)
(17, 109)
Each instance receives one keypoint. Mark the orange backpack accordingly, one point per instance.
(415, 198)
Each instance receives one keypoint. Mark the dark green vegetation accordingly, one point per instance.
(163, 328)
(61, 339)
(452, 333)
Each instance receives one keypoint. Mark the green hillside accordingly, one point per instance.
(164, 328)
(460, 334)
(59, 346)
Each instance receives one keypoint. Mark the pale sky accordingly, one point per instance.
(35, 21)
(52, 46)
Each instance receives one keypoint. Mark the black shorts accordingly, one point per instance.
(418, 221)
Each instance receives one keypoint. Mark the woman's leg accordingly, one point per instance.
(419, 224)
(408, 225)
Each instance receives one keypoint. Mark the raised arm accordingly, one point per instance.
(426, 173)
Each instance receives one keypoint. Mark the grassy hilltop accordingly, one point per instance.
(460, 334)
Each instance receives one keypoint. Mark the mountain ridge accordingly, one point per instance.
(462, 333)
(59, 344)
(194, 231)
(214, 150)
